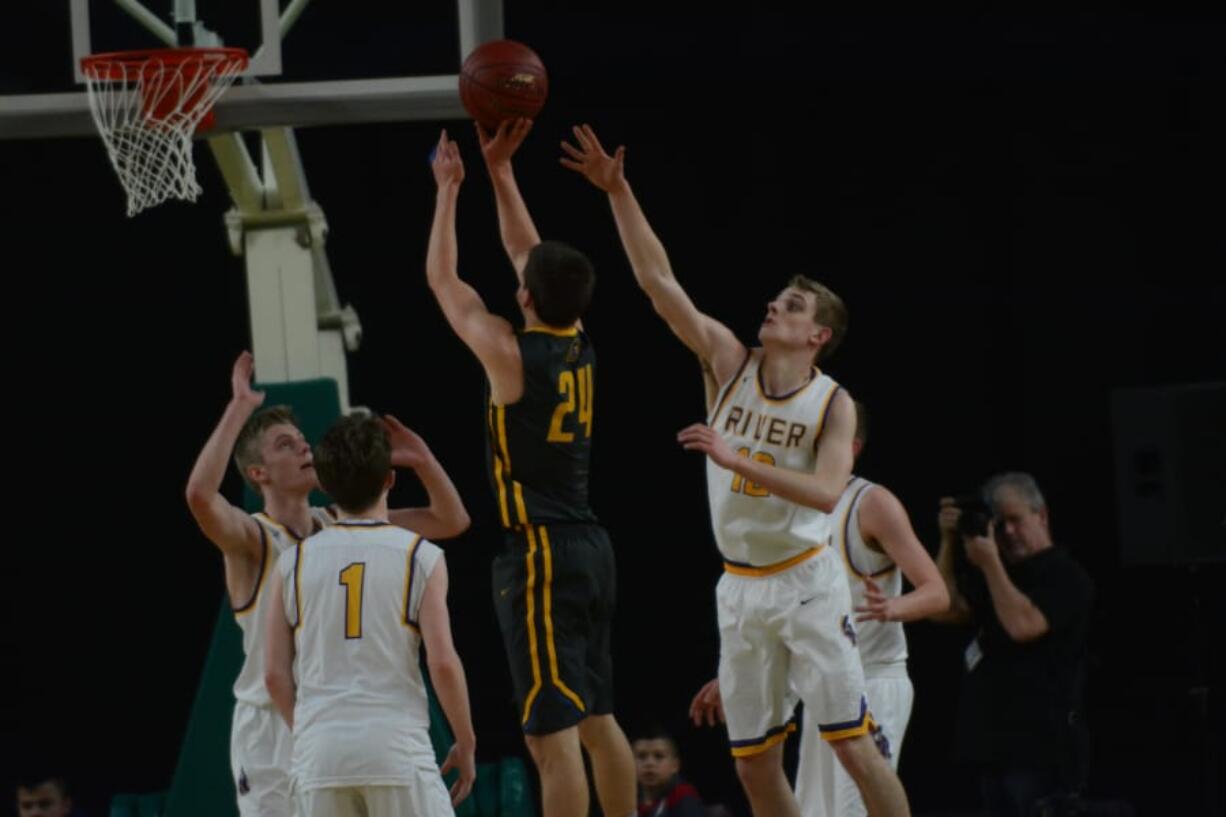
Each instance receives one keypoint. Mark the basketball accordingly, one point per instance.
(503, 79)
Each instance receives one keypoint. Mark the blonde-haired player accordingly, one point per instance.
(778, 443)
(350, 609)
(275, 459)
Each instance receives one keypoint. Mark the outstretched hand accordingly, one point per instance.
(701, 437)
(409, 450)
(592, 162)
(240, 381)
(499, 147)
(447, 165)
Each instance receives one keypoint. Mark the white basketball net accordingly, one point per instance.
(147, 107)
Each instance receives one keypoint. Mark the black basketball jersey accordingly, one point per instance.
(541, 445)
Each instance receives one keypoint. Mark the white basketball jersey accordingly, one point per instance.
(249, 686)
(882, 644)
(752, 526)
(353, 593)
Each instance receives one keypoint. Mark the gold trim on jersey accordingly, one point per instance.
(293, 537)
(409, 567)
(845, 528)
(863, 728)
(502, 458)
(766, 742)
(531, 610)
(783, 398)
(721, 397)
(548, 605)
(550, 330)
(738, 569)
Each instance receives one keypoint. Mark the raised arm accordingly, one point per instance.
(233, 530)
(820, 489)
(445, 516)
(706, 337)
(447, 673)
(885, 523)
(490, 337)
(515, 225)
(959, 611)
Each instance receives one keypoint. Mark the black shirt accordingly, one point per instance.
(1020, 699)
(541, 445)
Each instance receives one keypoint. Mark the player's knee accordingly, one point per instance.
(599, 731)
(554, 752)
(758, 772)
(857, 755)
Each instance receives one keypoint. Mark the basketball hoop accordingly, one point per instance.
(148, 105)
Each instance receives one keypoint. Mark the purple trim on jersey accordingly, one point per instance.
(297, 585)
(852, 724)
(255, 594)
(851, 511)
(779, 398)
(722, 394)
(770, 733)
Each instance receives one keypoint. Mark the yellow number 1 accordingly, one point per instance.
(351, 578)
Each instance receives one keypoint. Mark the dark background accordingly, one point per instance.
(1024, 213)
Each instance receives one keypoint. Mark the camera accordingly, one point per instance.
(975, 515)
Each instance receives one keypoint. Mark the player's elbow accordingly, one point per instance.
(440, 273)
(198, 497)
(939, 595)
(822, 496)
(823, 503)
(278, 682)
(955, 610)
(444, 665)
(1025, 631)
(456, 523)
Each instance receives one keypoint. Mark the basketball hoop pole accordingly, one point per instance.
(189, 30)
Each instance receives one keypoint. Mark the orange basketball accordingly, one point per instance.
(503, 79)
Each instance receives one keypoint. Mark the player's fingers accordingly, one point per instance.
(572, 151)
(572, 165)
(581, 138)
(591, 134)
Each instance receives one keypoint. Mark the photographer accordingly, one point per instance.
(1019, 720)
